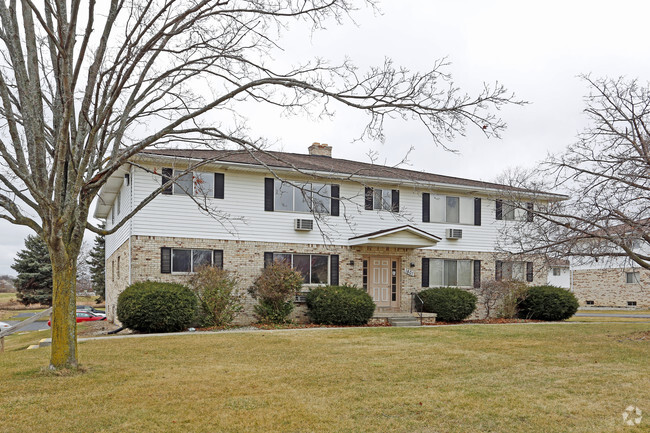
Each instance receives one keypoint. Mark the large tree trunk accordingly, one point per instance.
(64, 322)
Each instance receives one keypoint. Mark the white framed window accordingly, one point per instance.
(382, 199)
(194, 183)
(451, 209)
(188, 260)
(305, 198)
(632, 278)
(453, 273)
(314, 268)
(118, 200)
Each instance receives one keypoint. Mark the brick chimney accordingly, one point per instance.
(320, 149)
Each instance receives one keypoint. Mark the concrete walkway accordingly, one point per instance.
(625, 316)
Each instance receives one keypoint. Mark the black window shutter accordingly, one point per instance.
(218, 259)
(529, 212)
(477, 273)
(426, 207)
(499, 207)
(268, 259)
(498, 274)
(529, 272)
(477, 211)
(165, 260)
(368, 204)
(425, 272)
(334, 270)
(167, 174)
(268, 194)
(395, 204)
(334, 203)
(218, 185)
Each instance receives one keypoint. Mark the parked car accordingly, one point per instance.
(89, 309)
(84, 316)
(4, 326)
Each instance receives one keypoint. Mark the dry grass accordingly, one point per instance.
(503, 378)
(609, 319)
(7, 297)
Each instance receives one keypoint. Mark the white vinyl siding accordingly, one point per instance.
(178, 216)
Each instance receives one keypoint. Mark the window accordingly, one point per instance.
(631, 303)
(194, 183)
(381, 199)
(118, 267)
(557, 272)
(451, 209)
(112, 270)
(632, 278)
(185, 260)
(510, 211)
(456, 273)
(313, 268)
(516, 271)
(589, 302)
(302, 198)
(118, 200)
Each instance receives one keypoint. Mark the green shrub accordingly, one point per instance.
(340, 305)
(216, 291)
(275, 289)
(548, 303)
(150, 306)
(451, 304)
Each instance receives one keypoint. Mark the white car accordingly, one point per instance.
(4, 326)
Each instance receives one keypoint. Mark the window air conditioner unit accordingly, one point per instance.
(303, 224)
(454, 234)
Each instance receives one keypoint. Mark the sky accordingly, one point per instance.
(536, 49)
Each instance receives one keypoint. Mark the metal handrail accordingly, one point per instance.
(416, 297)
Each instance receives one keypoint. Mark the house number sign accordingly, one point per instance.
(409, 272)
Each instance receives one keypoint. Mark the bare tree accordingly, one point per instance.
(86, 85)
(606, 178)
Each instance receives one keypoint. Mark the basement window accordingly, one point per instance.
(589, 302)
(631, 303)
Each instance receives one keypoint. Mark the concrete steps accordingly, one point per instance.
(404, 321)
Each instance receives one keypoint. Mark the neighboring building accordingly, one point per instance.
(391, 231)
(559, 273)
(611, 283)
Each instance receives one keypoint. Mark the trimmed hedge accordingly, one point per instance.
(150, 306)
(451, 304)
(340, 305)
(548, 303)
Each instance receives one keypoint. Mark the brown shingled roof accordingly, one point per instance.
(327, 164)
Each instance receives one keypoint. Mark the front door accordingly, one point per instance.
(382, 281)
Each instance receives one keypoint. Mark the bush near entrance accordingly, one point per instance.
(340, 305)
(548, 303)
(451, 304)
(150, 306)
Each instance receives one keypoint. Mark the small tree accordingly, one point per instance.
(275, 290)
(216, 291)
(97, 262)
(34, 281)
(501, 297)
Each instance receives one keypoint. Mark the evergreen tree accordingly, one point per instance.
(97, 262)
(34, 281)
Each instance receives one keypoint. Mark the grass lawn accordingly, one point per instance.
(6, 297)
(615, 311)
(501, 378)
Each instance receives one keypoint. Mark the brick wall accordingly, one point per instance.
(246, 260)
(117, 278)
(608, 287)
